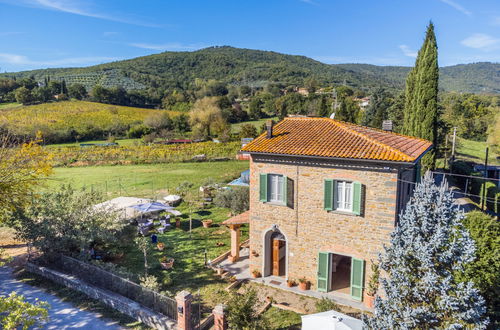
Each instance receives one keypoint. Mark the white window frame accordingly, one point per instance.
(275, 188)
(342, 196)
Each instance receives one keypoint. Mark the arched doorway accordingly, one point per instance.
(275, 258)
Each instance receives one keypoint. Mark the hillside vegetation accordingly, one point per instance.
(72, 120)
(256, 68)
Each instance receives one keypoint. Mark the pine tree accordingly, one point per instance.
(421, 268)
(421, 104)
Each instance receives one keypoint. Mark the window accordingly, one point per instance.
(275, 188)
(343, 196)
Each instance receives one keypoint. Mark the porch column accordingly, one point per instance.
(235, 243)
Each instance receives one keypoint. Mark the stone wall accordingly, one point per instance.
(309, 228)
(120, 303)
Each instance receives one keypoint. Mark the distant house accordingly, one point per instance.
(324, 197)
(303, 91)
(363, 102)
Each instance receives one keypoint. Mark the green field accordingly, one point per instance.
(144, 180)
(10, 105)
(235, 128)
(122, 142)
(475, 151)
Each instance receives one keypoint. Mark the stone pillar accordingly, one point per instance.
(184, 300)
(235, 243)
(220, 321)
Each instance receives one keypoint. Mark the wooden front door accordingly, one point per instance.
(278, 267)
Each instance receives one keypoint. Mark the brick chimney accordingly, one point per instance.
(269, 126)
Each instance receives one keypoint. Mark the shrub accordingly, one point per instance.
(150, 282)
(138, 131)
(325, 304)
(248, 131)
(242, 311)
(237, 199)
(167, 280)
(484, 271)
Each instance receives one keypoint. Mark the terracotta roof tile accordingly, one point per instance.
(239, 219)
(325, 137)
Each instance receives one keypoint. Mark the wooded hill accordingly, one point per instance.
(256, 68)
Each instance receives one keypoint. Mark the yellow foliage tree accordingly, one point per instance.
(206, 118)
(21, 169)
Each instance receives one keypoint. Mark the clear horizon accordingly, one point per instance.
(78, 33)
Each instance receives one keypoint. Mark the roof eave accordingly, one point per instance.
(342, 159)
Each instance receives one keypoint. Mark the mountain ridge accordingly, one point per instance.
(239, 66)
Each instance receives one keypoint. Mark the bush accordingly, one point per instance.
(325, 304)
(150, 282)
(248, 131)
(484, 271)
(167, 280)
(138, 131)
(237, 199)
(242, 311)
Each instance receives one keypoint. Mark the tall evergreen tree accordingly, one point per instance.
(323, 108)
(421, 104)
(422, 268)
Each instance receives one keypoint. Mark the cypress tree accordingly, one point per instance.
(323, 108)
(421, 105)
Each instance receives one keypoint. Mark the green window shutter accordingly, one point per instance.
(328, 194)
(285, 189)
(357, 278)
(323, 271)
(263, 188)
(357, 197)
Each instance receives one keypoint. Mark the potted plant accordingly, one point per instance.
(207, 223)
(290, 283)
(256, 273)
(166, 263)
(160, 246)
(372, 288)
(304, 284)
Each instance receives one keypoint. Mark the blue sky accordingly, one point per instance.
(62, 33)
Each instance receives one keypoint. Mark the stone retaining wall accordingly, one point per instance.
(120, 303)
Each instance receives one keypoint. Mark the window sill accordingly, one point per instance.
(275, 203)
(344, 213)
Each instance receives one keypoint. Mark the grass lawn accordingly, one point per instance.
(282, 319)
(475, 151)
(235, 128)
(154, 180)
(188, 250)
(10, 105)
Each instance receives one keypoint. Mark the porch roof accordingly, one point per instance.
(239, 219)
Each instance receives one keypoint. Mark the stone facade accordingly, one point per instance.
(308, 227)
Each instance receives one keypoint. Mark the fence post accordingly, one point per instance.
(220, 321)
(184, 300)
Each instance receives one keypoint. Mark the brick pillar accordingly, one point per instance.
(220, 321)
(235, 243)
(184, 300)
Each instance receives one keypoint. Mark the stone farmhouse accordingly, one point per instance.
(324, 197)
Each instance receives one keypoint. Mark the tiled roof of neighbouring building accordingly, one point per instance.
(325, 137)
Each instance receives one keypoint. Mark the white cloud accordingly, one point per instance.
(457, 6)
(481, 41)
(407, 51)
(16, 59)
(167, 46)
(76, 7)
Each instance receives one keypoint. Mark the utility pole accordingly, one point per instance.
(483, 195)
(453, 147)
